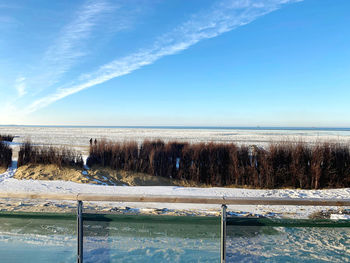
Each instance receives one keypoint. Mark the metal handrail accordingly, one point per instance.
(180, 199)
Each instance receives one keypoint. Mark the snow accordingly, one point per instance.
(99, 182)
(78, 137)
(9, 184)
(340, 217)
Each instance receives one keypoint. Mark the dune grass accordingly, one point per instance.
(292, 165)
(8, 137)
(60, 156)
(5, 155)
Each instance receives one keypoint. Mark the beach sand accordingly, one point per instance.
(95, 175)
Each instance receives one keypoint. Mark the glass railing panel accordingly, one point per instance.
(151, 239)
(287, 244)
(37, 238)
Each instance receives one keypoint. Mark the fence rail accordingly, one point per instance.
(219, 200)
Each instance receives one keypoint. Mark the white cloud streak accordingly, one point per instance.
(68, 47)
(222, 17)
(21, 86)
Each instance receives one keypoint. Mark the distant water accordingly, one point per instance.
(79, 136)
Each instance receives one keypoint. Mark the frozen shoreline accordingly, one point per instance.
(78, 137)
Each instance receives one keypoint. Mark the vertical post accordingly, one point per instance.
(80, 232)
(223, 234)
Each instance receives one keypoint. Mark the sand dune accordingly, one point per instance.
(96, 175)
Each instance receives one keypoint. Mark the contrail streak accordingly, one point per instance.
(222, 17)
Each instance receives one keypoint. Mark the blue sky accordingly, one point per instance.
(198, 62)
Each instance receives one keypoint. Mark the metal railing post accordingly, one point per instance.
(223, 234)
(80, 232)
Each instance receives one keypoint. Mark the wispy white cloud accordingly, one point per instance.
(222, 17)
(65, 51)
(7, 22)
(20, 86)
(69, 47)
(71, 44)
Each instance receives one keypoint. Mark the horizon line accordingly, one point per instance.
(184, 126)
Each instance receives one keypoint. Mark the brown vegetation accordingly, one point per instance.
(280, 165)
(30, 154)
(8, 137)
(5, 155)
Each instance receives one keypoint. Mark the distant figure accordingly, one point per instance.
(95, 142)
(91, 141)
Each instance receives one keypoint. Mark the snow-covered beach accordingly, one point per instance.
(11, 185)
(79, 138)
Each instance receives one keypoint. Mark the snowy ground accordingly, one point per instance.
(8, 184)
(79, 138)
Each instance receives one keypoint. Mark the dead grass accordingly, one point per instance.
(5, 155)
(50, 172)
(96, 175)
(59, 156)
(7, 137)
